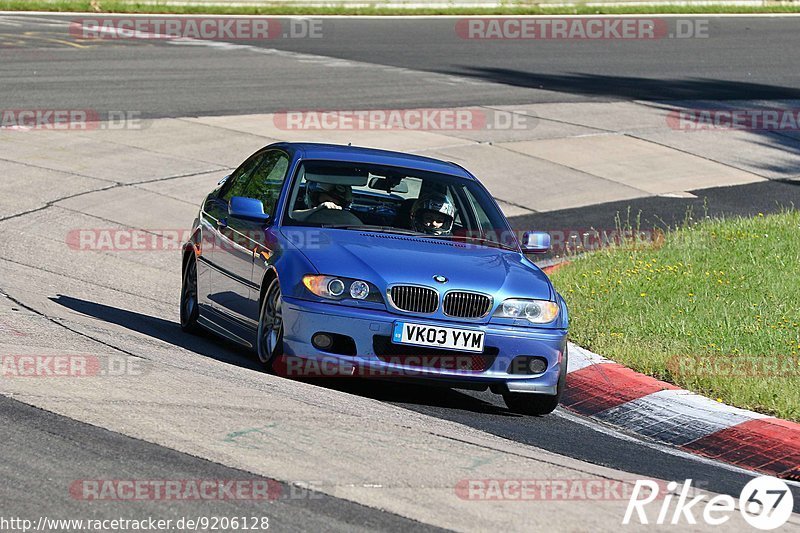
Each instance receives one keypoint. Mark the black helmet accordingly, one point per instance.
(343, 194)
(438, 204)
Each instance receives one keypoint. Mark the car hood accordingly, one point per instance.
(385, 259)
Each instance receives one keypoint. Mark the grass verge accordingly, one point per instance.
(121, 6)
(712, 308)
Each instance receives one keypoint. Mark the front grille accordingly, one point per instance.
(466, 304)
(414, 299)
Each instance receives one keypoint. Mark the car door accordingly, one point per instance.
(243, 240)
(229, 263)
(267, 185)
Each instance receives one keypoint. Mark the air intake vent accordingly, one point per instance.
(414, 299)
(466, 304)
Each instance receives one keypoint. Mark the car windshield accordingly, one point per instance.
(391, 199)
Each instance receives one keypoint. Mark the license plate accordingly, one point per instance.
(468, 340)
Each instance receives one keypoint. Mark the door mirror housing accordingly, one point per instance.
(535, 242)
(247, 209)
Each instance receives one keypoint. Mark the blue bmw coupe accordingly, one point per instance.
(341, 260)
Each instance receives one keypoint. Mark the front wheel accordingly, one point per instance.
(538, 404)
(270, 326)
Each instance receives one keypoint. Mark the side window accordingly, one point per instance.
(267, 180)
(238, 181)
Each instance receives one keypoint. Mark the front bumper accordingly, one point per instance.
(367, 327)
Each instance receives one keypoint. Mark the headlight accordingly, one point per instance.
(359, 290)
(322, 285)
(536, 311)
(334, 288)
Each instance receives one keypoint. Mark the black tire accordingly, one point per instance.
(190, 310)
(269, 345)
(538, 404)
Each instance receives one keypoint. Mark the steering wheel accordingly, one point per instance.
(334, 216)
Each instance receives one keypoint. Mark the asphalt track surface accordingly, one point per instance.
(162, 79)
(377, 63)
(67, 450)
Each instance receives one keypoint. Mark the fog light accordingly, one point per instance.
(537, 365)
(336, 287)
(322, 341)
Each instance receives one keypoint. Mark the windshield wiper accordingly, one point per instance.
(481, 240)
(380, 229)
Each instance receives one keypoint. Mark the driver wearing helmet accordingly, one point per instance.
(433, 215)
(324, 196)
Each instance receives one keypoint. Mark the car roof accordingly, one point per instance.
(359, 154)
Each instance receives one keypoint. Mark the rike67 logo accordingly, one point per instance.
(766, 503)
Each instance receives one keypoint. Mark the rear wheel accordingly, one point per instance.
(189, 308)
(538, 404)
(270, 326)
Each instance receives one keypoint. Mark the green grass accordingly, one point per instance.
(120, 6)
(727, 289)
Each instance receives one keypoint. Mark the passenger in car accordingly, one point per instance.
(324, 196)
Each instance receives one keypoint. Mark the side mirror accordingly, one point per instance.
(535, 242)
(247, 209)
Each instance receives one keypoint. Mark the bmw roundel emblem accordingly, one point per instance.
(440, 279)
